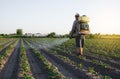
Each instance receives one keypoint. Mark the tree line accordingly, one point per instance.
(19, 34)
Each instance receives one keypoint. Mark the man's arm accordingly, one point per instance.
(73, 29)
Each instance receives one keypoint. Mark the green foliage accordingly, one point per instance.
(107, 77)
(90, 36)
(101, 63)
(19, 32)
(27, 76)
(25, 67)
(7, 52)
(91, 70)
(80, 65)
(52, 34)
(52, 70)
(107, 49)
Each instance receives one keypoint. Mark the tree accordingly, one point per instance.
(19, 32)
(66, 36)
(52, 34)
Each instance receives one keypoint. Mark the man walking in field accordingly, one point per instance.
(79, 38)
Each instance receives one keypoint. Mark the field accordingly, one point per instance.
(56, 58)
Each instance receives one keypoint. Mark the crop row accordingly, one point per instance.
(90, 70)
(5, 43)
(98, 62)
(65, 49)
(25, 71)
(82, 63)
(53, 72)
(2, 40)
(79, 66)
(101, 48)
(68, 48)
(6, 54)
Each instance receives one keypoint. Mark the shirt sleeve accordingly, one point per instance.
(73, 27)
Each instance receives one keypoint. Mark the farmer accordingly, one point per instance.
(79, 38)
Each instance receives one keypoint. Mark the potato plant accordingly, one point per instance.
(52, 70)
(25, 72)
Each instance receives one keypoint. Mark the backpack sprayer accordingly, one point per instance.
(84, 26)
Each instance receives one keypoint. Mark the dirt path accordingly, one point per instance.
(10, 71)
(35, 64)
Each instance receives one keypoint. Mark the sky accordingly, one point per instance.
(45, 16)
